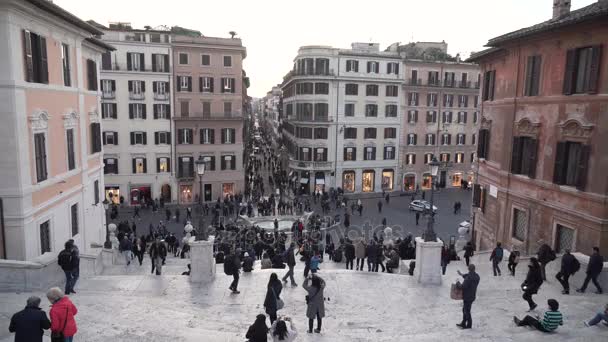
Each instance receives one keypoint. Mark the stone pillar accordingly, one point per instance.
(428, 262)
(202, 262)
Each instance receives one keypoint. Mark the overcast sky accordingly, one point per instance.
(272, 30)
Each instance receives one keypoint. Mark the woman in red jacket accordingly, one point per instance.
(62, 314)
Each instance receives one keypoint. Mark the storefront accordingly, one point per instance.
(227, 189)
(368, 181)
(319, 182)
(457, 179)
(348, 181)
(304, 182)
(140, 194)
(387, 179)
(113, 194)
(409, 182)
(426, 181)
(185, 193)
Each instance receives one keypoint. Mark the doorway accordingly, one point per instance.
(443, 179)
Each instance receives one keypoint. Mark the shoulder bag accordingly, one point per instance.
(58, 336)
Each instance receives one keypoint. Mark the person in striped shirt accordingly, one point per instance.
(550, 321)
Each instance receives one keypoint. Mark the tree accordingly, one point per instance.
(232, 34)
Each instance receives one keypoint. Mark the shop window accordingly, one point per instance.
(348, 181)
(368, 181)
(387, 179)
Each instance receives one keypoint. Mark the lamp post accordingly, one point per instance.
(106, 205)
(200, 170)
(429, 234)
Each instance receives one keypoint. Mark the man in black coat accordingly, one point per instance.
(594, 268)
(349, 253)
(569, 266)
(469, 292)
(545, 256)
(291, 263)
(29, 324)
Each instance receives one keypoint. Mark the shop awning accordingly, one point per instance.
(304, 180)
(320, 181)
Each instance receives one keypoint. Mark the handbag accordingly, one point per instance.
(58, 336)
(280, 302)
(456, 291)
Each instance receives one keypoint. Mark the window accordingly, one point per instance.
(320, 154)
(320, 133)
(205, 84)
(304, 132)
(448, 100)
(40, 153)
(183, 58)
(110, 138)
(473, 157)
(368, 181)
(446, 117)
(184, 83)
(459, 158)
(227, 108)
(304, 88)
(428, 157)
(74, 216)
(95, 137)
(392, 68)
(449, 79)
(571, 162)
(461, 139)
(185, 167)
(462, 117)
(137, 111)
(184, 136)
(463, 101)
(209, 163)
(532, 84)
(412, 99)
(321, 112)
(228, 163)
(184, 108)
(228, 85)
(304, 111)
(390, 133)
(36, 61)
(206, 109)
(91, 75)
(110, 166)
(371, 90)
(392, 90)
(228, 135)
(349, 109)
(369, 133)
(207, 136)
(475, 117)
(370, 153)
(412, 116)
(160, 89)
(322, 66)
(137, 89)
(108, 87)
(96, 192)
(350, 133)
(582, 70)
(352, 89)
(430, 139)
(227, 61)
(446, 139)
(476, 101)
(373, 67)
(65, 63)
(520, 224)
(106, 61)
(431, 100)
(348, 181)
(139, 165)
(412, 139)
(371, 110)
(305, 154)
(431, 116)
(350, 154)
(162, 111)
(163, 165)
(483, 145)
(70, 144)
(155, 38)
(564, 237)
(352, 65)
(410, 159)
(322, 88)
(389, 152)
(488, 85)
(523, 156)
(160, 62)
(135, 61)
(473, 139)
(390, 110)
(45, 237)
(433, 78)
(444, 157)
(139, 138)
(162, 138)
(206, 60)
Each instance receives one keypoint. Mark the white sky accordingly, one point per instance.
(273, 30)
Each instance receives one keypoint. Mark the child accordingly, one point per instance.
(314, 262)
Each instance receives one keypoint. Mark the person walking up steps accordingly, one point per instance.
(496, 258)
(291, 263)
(594, 268)
(315, 302)
(532, 283)
(513, 260)
(545, 256)
(570, 265)
(232, 266)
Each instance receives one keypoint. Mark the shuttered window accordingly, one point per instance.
(91, 74)
(582, 70)
(95, 137)
(532, 76)
(350, 153)
(479, 197)
(571, 164)
(70, 152)
(35, 58)
(523, 156)
(369, 133)
(74, 216)
(40, 154)
(488, 85)
(483, 145)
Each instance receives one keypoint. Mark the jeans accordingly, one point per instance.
(306, 268)
(467, 321)
(531, 321)
(349, 262)
(467, 259)
(140, 257)
(542, 270)
(311, 321)
(511, 266)
(598, 318)
(378, 263)
(370, 265)
(157, 263)
(290, 275)
(563, 279)
(495, 267)
(75, 276)
(68, 339)
(443, 268)
(362, 261)
(127, 255)
(69, 281)
(595, 282)
(528, 298)
(235, 280)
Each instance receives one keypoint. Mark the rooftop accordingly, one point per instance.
(51, 8)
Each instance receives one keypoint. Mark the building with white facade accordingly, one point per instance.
(136, 109)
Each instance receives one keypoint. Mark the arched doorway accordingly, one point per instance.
(165, 193)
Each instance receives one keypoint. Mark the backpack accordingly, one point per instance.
(229, 265)
(498, 254)
(576, 266)
(64, 259)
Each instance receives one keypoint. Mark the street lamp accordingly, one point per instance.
(200, 170)
(106, 205)
(429, 234)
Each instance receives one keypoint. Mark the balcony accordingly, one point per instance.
(135, 96)
(449, 83)
(108, 95)
(464, 84)
(476, 85)
(310, 165)
(434, 83)
(310, 119)
(123, 67)
(415, 81)
(161, 97)
(209, 116)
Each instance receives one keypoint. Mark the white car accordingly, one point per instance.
(420, 205)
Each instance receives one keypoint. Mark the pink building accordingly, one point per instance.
(208, 115)
(51, 169)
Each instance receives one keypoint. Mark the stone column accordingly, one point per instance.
(202, 262)
(428, 262)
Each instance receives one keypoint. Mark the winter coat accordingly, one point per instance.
(158, 250)
(266, 263)
(596, 264)
(360, 249)
(545, 254)
(270, 302)
(29, 324)
(568, 266)
(393, 259)
(247, 264)
(349, 251)
(468, 251)
(534, 279)
(291, 259)
(277, 261)
(445, 257)
(63, 310)
(314, 263)
(372, 252)
(292, 332)
(257, 333)
(469, 287)
(316, 302)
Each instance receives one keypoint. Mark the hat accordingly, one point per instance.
(246, 254)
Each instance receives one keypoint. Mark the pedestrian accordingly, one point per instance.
(29, 324)
(349, 253)
(455, 207)
(372, 250)
(177, 215)
(379, 206)
(62, 315)
(532, 283)
(126, 248)
(594, 268)
(417, 217)
(66, 261)
(266, 262)
(236, 266)
(600, 316)
(445, 259)
(258, 331)
(168, 215)
(247, 263)
(281, 332)
(469, 294)
(513, 260)
(468, 251)
(158, 251)
(360, 253)
(496, 258)
(291, 263)
(315, 302)
(551, 319)
(189, 213)
(314, 262)
(136, 212)
(379, 259)
(545, 255)
(140, 249)
(569, 266)
(384, 222)
(387, 198)
(360, 209)
(273, 297)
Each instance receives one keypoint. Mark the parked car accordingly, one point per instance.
(420, 205)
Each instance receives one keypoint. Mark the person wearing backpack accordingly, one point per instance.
(64, 260)
(291, 263)
(570, 265)
(545, 256)
(513, 260)
(232, 265)
(496, 258)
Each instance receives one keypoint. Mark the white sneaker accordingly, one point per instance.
(586, 323)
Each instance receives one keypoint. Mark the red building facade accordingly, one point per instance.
(543, 140)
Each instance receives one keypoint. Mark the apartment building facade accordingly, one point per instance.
(441, 119)
(136, 112)
(208, 96)
(341, 118)
(51, 175)
(542, 142)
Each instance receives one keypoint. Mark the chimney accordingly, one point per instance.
(560, 8)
